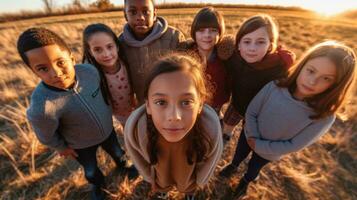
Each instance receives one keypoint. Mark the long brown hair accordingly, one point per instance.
(257, 21)
(87, 56)
(331, 100)
(199, 143)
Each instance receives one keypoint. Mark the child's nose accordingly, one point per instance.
(207, 33)
(313, 80)
(57, 72)
(174, 114)
(141, 16)
(251, 48)
(106, 53)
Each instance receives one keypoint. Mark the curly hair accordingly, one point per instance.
(33, 38)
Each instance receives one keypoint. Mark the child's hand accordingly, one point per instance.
(251, 142)
(134, 101)
(68, 152)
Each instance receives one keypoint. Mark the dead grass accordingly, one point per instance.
(28, 170)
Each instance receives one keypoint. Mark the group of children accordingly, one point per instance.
(170, 103)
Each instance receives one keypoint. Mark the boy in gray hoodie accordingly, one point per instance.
(145, 38)
(67, 111)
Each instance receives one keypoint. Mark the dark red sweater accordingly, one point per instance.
(249, 78)
(217, 76)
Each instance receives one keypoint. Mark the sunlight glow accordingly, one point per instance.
(328, 10)
(328, 7)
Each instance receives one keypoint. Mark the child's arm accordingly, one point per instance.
(178, 40)
(205, 169)
(69, 152)
(45, 129)
(304, 138)
(134, 151)
(251, 116)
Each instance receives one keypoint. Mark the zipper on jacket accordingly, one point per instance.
(90, 110)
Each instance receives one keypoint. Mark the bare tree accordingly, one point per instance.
(77, 4)
(102, 4)
(49, 5)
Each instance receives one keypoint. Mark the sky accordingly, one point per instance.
(326, 7)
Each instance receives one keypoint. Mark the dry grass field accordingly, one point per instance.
(28, 170)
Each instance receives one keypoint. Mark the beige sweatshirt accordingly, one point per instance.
(172, 168)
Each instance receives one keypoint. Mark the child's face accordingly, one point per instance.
(316, 76)
(253, 46)
(104, 50)
(140, 15)
(52, 65)
(174, 104)
(207, 38)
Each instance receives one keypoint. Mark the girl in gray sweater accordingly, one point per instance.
(291, 114)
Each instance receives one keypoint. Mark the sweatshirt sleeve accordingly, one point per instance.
(251, 116)
(206, 168)
(46, 130)
(181, 37)
(304, 138)
(178, 40)
(133, 149)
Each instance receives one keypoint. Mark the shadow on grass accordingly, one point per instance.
(59, 173)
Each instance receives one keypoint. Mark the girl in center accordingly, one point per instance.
(174, 139)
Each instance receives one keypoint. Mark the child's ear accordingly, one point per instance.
(148, 109)
(126, 17)
(73, 59)
(270, 48)
(200, 108)
(155, 14)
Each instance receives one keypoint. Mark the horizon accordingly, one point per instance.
(329, 7)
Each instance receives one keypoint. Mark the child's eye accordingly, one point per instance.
(133, 12)
(61, 63)
(97, 50)
(146, 12)
(187, 103)
(327, 79)
(310, 71)
(214, 30)
(246, 42)
(160, 102)
(262, 42)
(201, 30)
(42, 69)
